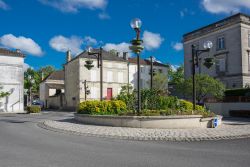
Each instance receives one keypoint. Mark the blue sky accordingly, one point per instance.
(45, 29)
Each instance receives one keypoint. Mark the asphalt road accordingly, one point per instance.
(24, 144)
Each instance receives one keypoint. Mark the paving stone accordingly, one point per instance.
(225, 131)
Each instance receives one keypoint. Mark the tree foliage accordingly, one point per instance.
(175, 76)
(37, 75)
(206, 86)
(160, 82)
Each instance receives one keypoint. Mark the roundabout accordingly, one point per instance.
(228, 130)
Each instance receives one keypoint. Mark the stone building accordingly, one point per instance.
(145, 71)
(115, 75)
(12, 80)
(231, 50)
(51, 90)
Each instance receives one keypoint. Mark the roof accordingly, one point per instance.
(56, 75)
(105, 56)
(7, 52)
(234, 19)
(55, 86)
(146, 62)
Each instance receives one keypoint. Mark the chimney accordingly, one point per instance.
(68, 56)
(125, 55)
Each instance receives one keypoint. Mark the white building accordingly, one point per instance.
(11, 79)
(145, 71)
(231, 50)
(51, 90)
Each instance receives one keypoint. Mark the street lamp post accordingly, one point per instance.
(152, 59)
(195, 63)
(89, 65)
(137, 47)
(86, 90)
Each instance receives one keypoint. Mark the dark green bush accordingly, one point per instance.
(113, 107)
(33, 109)
(238, 92)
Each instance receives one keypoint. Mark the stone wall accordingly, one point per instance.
(224, 108)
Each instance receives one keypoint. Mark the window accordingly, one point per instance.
(221, 65)
(160, 70)
(109, 76)
(220, 43)
(120, 77)
(93, 75)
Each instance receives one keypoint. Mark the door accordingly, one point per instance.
(109, 93)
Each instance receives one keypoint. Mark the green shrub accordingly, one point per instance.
(188, 106)
(33, 109)
(113, 107)
(237, 92)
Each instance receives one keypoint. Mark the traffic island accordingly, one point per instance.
(154, 122)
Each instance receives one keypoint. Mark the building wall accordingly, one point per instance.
(115, 75)
(72, 83)
(11, 78)
(224, 108)
(245, 38)
(232, 54)
(145, 75)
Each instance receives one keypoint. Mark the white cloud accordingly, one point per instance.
(62, 44)
(73, 6)
(104, 16)
(3, 5)
(90, 41)
(177, 46)
(225, 6)
(24, 44)
(152, 40)
(121, 47)
(26, 66)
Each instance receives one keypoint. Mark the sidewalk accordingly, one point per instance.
(231, 129)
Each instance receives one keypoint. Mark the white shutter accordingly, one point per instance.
(109, 76)
(93, 92)
(93, 75)
(120, 77)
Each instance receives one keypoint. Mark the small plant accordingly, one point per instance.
(33, 109)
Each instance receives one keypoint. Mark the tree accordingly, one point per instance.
(206, 86)
(45, 71)
(175, 75)
(37, 76)
(160, 82)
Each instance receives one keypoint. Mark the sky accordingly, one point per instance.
(45, 29)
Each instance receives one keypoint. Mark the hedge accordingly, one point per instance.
(113, 107)
(33, 109)
(238, 92)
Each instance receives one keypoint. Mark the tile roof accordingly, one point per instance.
(7, 52)
(146, 62)
(105, 56)
(56, 75)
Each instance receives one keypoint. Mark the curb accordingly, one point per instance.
(172, 139)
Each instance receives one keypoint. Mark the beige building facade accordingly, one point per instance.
(231, 50)
(115, 75)
(51, 90)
